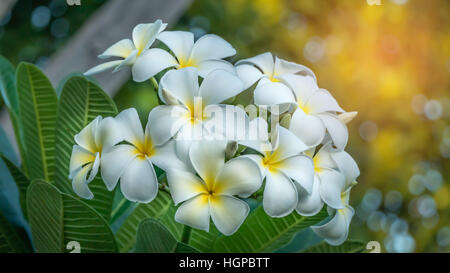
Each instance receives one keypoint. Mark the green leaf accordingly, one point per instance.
(126, 235)
(153, 237)
(57, 219)
(21, 180)
(37, 104)
(81, 101)
(10, 241)
(346, 247)
(10, 97)
(262, 233)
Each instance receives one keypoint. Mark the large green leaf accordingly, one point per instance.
(126, 235)
(10, 241)
(37, 105)
(21, 180)
(153, 237)
(10, 97)
(81, 101)
(262, 233)
(57, 219)
(346, 247)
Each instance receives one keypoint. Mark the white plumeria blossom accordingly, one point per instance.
(315, 112)
(284, 168)
(132, 162)
(193, 112)
(268, 70)
(91, 142)
(211, 193)
(144, 35)
(205, 54)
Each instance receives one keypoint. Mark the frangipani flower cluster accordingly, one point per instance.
(215, 154)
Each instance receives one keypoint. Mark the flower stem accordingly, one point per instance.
(154, 83)
(186, 236)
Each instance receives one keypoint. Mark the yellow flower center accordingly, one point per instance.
(144, 149)
(187, 63)
(303, 106)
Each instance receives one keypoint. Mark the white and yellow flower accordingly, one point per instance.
(192, 111)
(335, 232)
(315, 112)
(268, 70)
(132, 162)
(212, 193)
(99, 135)
(144, 36)
(283, 166)
(334, 171)
(205, 54)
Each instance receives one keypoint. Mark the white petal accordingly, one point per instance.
(335, 232)
(303, 86)
(308, 128)
(218, 86)
(131, 126)
(102, 67)
(79, 182)
(226, 121)
(165, 121)
(258, 159)
(309, 203)
(280, 195)
(179, 42)
(286, 144)
(138, 182)
(210, 47)
(336, 128)
(322, 101)
(206, 67)
(346, 165)
(249, 74)
(285, 67)
(194, 213)
(86, 137)
(323, 159)
(108, 133)
(114, 161)
(331, 186)
(145, 34)
(208, 158)
(79, 158)
(95, 167)
(273, 93)
(184, 185)
(300, 169)
(151, 62)
(122, 48)
(129, 61)
(239, 176)
(258, 136)
(181, 84)
(228, 213)
(263, 61)
(165, 157)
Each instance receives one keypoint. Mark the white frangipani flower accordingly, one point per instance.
(315, 112)
(335, 232)
(334, 171)
(268, 69)
(205, 54)
(211, 194)
(91, 142)
(144, 36)
(283, 166)
(194, 111)
(132, 162)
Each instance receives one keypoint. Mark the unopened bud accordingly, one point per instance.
(347, 117)
(231, 150)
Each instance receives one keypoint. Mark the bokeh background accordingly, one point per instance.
(390, 62)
